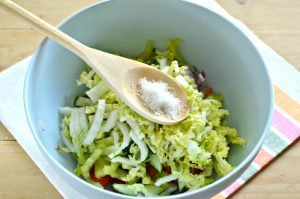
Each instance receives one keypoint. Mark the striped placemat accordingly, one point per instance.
(284, 131)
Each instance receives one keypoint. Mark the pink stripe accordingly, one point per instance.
(232, 188)
(285, 126)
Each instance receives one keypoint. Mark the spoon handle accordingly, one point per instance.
(120, 73)
(47, 29)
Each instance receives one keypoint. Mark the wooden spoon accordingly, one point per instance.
(120, 73)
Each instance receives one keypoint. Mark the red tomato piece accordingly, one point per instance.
(175, 182)
(167, 169)
(104, 181)
(117, 181)
(195, 171)
(151, 171)
(207, 91)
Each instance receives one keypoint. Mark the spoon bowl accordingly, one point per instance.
(130, 86)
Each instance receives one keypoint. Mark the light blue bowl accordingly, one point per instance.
(211, 43)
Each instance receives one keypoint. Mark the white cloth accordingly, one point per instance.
(11, 99)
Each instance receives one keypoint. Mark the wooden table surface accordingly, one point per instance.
(277, 22)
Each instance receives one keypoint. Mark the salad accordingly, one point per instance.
(117, 149)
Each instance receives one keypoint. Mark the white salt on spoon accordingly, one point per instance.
(158, 98)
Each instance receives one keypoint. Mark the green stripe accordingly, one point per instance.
(251, 171)
(275, 143)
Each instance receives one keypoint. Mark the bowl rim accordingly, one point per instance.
(230, 175)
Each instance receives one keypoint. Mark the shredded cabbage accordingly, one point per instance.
(96, 125)
(165, 179)
(107, 137)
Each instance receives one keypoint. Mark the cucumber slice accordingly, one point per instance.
(169, 190)
(154, 161)
(154, 190)
(83, 101)
(124, 189)
(135, 189)
(181, 185)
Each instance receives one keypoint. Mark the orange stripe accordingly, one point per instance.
(263, 158)
(287, 104)
(219, 196)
